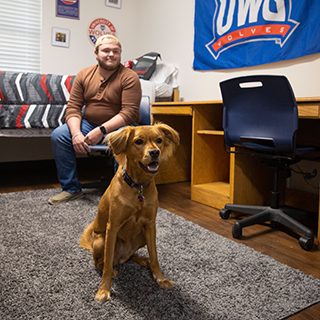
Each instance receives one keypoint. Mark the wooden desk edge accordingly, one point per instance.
(308, 108)
(190, 103)
(308, 99)
(184, 103)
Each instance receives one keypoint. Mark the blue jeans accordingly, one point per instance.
(65, 156)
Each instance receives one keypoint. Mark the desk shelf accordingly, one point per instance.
(214, 194)
(211, 132)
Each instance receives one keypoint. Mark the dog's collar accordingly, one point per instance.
(133, 184)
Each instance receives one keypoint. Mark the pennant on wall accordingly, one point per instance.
(243, 33)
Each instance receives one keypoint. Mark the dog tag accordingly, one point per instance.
(140, 199)
(140, 196)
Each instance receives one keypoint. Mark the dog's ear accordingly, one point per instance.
(118, 140)
(172, 138)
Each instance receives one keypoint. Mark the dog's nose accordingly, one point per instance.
(154, 153)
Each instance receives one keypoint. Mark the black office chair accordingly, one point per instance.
(105, 151)
(260, 118)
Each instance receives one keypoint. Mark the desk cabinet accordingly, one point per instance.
(217, 177)
(212, 168)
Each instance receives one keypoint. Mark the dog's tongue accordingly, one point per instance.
(153, 166)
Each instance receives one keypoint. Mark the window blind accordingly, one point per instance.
(20, 35)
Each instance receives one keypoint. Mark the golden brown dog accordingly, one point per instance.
(126, 218)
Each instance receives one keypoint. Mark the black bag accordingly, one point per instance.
(145, 65)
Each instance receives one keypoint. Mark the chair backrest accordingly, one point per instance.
(259, 112)
(145, 111)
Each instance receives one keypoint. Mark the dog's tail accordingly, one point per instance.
(86, 241)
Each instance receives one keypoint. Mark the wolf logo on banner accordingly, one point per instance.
(241, 33)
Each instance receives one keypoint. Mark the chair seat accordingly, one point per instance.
(99, 148)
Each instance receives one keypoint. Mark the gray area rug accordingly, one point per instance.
(45, 274)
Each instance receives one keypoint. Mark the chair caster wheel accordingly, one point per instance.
(306, 243)
(224, 213)
(236, 232)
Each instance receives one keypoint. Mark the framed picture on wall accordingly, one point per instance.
(67, 9)
(114, 3)
(60, 37)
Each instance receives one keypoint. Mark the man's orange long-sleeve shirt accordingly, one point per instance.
(119, 94)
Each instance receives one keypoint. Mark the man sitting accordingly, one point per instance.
(111, 94)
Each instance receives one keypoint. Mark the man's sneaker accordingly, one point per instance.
(64, 197)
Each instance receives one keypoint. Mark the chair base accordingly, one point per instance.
(261, 214)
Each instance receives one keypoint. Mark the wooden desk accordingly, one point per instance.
(218, 177)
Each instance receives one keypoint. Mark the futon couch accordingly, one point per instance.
(31, 106)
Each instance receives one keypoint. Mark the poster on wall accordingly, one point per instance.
(67, 9)
(99, 27)
(243, 33)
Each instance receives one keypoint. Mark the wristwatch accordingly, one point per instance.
(103, 129)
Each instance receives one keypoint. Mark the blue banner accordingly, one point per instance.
(243, 33)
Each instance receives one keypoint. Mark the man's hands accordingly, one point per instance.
(81, 143)
(94, 136)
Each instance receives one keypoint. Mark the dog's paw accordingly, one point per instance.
(114, 273)
(145, 262)
(98, 264)
(102, 295)
(164, 283)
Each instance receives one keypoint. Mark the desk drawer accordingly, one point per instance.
(180, 111)
(309, 110)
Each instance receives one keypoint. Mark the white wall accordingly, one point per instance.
(165, 26)
(59, 60)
